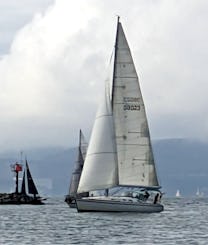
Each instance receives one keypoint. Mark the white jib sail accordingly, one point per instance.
(100, 166)
(135, 158)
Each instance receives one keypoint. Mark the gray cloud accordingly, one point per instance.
(53, 75)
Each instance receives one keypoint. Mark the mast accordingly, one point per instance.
(115, 58)
(114, 72)
(17, 182)
(16, 168)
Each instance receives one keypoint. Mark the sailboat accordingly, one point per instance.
(28, 185)
(178, 194)
(119, 154)
(82, 148)
(199, 193)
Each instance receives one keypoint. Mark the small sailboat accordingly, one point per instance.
(28, 185)
(199, 193)
(178, 194)
(119, 154)
(70, 198)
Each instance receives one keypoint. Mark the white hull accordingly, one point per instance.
(113, 205)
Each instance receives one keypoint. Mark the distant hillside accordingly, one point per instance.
(181, 164)
(51, 169)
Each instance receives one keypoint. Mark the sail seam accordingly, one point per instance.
(104, 116)
(103, 152)
(125, 77)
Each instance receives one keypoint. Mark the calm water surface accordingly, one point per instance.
(184, 221)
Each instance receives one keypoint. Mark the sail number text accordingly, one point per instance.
(131, 107)
(130, 99)
(128, 107)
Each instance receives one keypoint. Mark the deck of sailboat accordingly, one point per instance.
(119, 199)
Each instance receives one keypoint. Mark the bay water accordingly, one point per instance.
(184, 221)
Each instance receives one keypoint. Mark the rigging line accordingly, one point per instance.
(111, 57)
(115, 59)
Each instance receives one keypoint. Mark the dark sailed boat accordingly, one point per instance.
(27, 184)
(82, 149)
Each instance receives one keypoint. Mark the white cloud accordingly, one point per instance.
(54, 73)
(14, 15)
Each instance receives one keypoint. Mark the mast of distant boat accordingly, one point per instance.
(16, 168)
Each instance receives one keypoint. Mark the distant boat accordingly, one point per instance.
(199, 193)
(120, 151)
(28, 185)
(70, 198)
(178, 194)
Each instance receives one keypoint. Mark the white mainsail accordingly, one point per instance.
(120, 151)
(135, 158)
(100, 167)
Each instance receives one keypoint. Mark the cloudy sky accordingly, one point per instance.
(54, 58)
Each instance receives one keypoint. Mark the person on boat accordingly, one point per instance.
(146, 195)
(157, 198)
(143, 196)
(106, 192)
